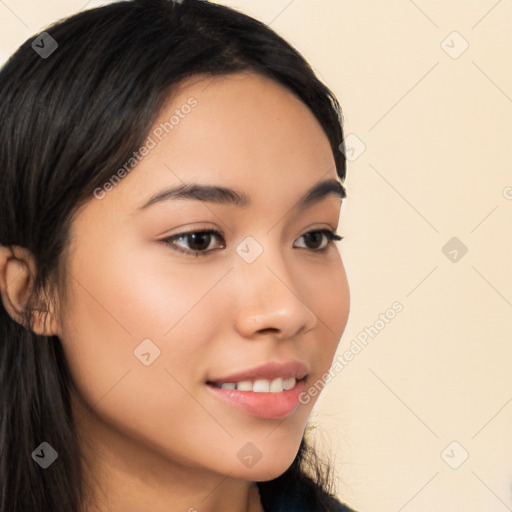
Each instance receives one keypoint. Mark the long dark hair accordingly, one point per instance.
(67, 122)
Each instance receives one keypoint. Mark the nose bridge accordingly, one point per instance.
(268, 297)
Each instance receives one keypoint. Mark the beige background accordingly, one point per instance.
(436, 164)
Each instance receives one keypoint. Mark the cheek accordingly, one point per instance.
(329, 299)
(121, 308)
(173, 314)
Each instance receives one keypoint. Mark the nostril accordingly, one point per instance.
(268, 330)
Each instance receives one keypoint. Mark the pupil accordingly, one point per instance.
(200, 241)
(317, 237)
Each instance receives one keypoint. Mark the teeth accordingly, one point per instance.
(276, 386)
(262, 385)
(244, 385)
(289, 383)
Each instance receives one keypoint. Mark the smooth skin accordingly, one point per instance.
(154, 436)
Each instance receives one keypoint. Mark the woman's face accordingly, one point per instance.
(149, 323)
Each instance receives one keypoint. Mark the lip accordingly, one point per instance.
(262, 405)
(269, 371)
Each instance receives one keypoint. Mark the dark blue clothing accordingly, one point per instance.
(294, 501)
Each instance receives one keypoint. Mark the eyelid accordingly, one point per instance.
(330, 233)
(169, 240)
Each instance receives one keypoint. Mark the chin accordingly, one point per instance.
(272, 464)
(264, 473)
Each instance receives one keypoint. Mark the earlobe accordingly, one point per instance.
(17, 274)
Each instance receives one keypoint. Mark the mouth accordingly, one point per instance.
(277, 385)
(261, 398)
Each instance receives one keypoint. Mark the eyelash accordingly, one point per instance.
(331, 236)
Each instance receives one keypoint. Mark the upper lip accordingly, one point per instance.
(269, 371)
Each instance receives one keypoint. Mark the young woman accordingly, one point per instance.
(171, 182)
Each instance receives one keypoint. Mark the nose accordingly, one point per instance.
(269, 299)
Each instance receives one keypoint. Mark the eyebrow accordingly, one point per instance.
(223, 195)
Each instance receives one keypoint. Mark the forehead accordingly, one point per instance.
(243, 131)
(257, 113)
(245, 125)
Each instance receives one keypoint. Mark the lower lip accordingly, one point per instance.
(262, 405)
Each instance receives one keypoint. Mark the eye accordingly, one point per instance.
(199, 243)
(320, 239)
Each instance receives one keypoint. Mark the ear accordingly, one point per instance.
(17, 275)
